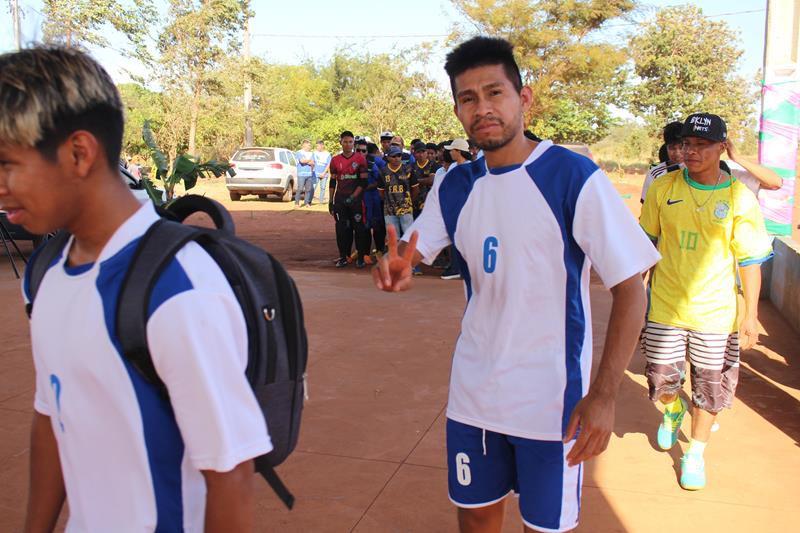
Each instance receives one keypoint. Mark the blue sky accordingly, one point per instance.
(287, 36)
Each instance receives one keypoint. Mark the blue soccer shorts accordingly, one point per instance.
(484, 467)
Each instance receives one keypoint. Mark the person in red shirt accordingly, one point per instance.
(348, 181)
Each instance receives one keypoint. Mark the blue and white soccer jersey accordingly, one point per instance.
(526, 237)
(131, 460)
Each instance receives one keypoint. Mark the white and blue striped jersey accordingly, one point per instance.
(132, 460)
(526, 237)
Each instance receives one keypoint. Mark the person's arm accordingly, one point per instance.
(766, 177)
(46, 493)
(751, 287)
(229, 499)
(595, 413)
(414, 192)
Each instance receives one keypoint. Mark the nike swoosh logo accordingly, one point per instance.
(671, 202)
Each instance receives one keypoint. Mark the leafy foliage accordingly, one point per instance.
(557, 47)
(184, 169)
(687, 63)
(81, 23)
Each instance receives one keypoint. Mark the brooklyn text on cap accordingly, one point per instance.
(458, 144)
(706, 126)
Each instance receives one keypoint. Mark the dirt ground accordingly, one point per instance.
(371, 453)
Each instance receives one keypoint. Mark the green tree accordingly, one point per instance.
(192, 47)
(141, 105)
(687, 63)
(83, 23)
(560, 55)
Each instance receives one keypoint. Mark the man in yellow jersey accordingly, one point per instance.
(706, 224)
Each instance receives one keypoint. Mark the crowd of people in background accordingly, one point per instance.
(371, 186)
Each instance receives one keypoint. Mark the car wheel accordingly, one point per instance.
(235, 196)
(263, 196)
(288, 193)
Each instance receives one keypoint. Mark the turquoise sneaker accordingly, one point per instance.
(693, 472)
(668, 430)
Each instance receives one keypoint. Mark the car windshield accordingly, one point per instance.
(261, 154)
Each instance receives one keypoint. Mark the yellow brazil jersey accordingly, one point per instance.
(703, 232)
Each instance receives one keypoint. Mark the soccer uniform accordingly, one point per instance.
(398, 206)
(703, 233)
(523, 358)
(422, 171)
(346, 173)
(131, 459)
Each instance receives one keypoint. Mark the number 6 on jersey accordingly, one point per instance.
(490, 254)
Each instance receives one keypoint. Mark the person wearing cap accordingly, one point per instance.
(398, 141)
(674, 156)
(423, 170)
(398, 190)
(528, 221)
(386, 141)
(705, 224)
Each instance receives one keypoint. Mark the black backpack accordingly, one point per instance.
(277, 343)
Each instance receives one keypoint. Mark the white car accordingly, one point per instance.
(263, 171)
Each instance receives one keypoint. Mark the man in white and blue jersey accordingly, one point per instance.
(528, 220)
(127, 457)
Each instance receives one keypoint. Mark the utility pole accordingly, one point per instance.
(780, 116)
(248, 87)
(15, 19)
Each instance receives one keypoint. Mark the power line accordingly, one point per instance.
(732, 13)
(300, 36)
(443, 35)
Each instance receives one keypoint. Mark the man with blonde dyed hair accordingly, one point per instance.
(126, 456)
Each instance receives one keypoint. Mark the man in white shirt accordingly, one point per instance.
(127, 457)
(527, 221)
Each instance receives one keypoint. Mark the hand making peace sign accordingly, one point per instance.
(393, 271)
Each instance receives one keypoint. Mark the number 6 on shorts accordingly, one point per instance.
(463, 473)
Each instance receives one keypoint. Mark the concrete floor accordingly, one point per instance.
(371, 453)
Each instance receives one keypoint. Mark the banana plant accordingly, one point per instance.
(185, 168)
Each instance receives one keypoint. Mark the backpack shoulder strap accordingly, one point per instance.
(269, 474)
(156, 249)
(39, 264)
(184, 206)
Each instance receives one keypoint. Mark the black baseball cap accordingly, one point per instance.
(706, 126)
(419, 146)
(672, 132)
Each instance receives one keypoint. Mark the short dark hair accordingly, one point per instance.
(431, 146)
(48, 93)
(672, 132)
(372, 148)
(480, 52)
(346, 133)
(663, 155)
